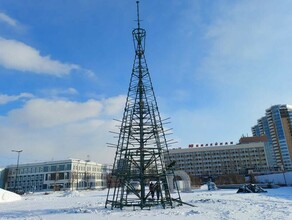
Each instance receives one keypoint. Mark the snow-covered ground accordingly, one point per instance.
(6, 196)
(88, 205)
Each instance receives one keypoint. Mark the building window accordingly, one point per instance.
(46, 168)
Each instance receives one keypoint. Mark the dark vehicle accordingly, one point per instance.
(251, 188)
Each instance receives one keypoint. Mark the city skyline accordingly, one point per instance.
(215, 66)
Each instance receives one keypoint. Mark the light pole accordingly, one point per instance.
(85, 175)
(18, 153)
(77, 174)
(283, 171)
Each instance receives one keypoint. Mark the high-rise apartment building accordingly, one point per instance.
(277, 126)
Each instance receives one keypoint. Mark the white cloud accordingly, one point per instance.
(4, 99)
(19, 56)
(8, 20)
(58, 129)
(57, 92)
(41, 113)
(114, 105)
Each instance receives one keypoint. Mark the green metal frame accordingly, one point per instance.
(142, 142)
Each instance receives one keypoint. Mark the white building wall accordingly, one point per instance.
(284, 178)
(219, 160)
(57, 175)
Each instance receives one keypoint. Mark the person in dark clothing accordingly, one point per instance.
(157, 191)
(152, 190)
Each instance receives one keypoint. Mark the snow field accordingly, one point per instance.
(211, 205)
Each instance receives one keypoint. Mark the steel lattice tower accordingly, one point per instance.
(142, 143)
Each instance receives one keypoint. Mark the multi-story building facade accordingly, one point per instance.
(221, 159)
(2, 177)
(56, 175)
(277, 126)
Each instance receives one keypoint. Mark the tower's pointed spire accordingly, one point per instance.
(138, 14)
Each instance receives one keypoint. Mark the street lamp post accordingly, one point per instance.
(17, 165)
(283, 171)
(77, 174)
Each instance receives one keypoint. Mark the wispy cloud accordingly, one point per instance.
(249, 40)
(249, 62)
(246, 68)
(7, 20)
(4, 99)
(19, 56)
(59, 92)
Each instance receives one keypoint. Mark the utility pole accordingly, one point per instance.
(16, 173)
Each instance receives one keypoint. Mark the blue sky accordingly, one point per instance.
(65, 68)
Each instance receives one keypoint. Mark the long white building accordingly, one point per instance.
(56, 175)
(221, 159)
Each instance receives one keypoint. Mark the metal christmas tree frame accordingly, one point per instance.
(142, 143)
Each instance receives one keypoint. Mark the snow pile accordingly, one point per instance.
(6, 196)
(204, 187)
(72, 194)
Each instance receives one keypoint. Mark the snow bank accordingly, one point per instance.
(72, 194)
(6, 196)
(204, 187)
